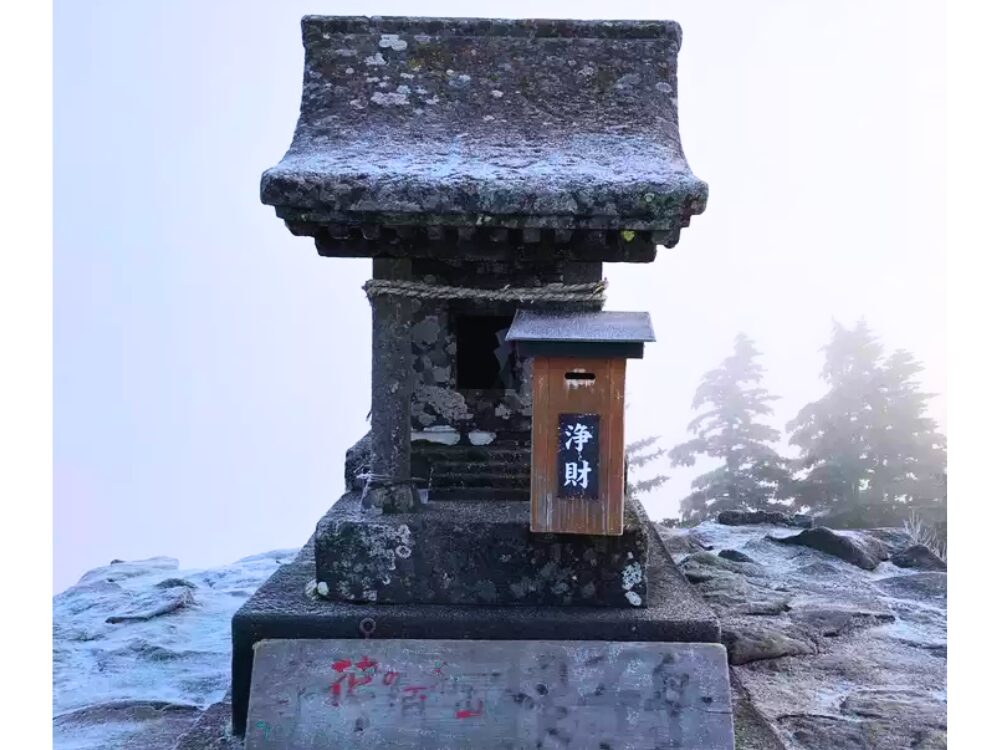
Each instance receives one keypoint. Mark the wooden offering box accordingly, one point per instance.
(578, 415)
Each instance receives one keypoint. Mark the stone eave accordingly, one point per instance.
(541, 132)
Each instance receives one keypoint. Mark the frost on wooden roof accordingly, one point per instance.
(530, 126)
(604, 326)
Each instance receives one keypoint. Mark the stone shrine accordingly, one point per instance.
(488, 168)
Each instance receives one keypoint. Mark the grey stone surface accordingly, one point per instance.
(443, 410)
(125, 725)
(357, 464)
(830, 654)
(141, 683)
(749, 517)
(489, 694)
(864, 552)
(281, 609)
(476, 553)
(182, 658)
(752, 639)
(389, 487)
(895, 539)
(918, 556)
(735, 555)
(836, 620)
(739, 595)
(152, 604)
(923, 586)
(110, 681)
(679, 542)
(752, 730)
(822, 732)
(499, 470)
(440, 400)
(212, 730)
(709, 559)
(564, 125)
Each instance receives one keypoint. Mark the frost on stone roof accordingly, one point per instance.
(542, 124)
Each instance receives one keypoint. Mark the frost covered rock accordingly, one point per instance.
(748, 517)
(124, 724)
(736, 555)
(924, 586)
(918, 556)
(140, 650)
(895, 539)
(864, 552)
(831, 654)
(710, 560)
(836, 620)
(152, 604)
(749, 641)
(739, 596)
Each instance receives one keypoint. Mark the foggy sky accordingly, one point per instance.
(211, 369)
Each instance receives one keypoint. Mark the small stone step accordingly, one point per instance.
(453, 494)
(500, 481)
(491, 469)
(472, 453)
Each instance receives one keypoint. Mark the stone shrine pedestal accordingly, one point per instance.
(286, 608)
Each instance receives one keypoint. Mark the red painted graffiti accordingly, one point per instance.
(352, 675)
(469, 713)
(340, 665)
(366, 664)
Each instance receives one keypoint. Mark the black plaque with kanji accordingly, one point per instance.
(578, 456)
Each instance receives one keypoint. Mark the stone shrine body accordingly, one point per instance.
(489, 168)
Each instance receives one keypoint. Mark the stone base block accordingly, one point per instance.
(588, 695)
(282, 609)
(475, 553)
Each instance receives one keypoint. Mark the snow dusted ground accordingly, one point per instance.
(834, 656)
(829, 655)
(141, 648)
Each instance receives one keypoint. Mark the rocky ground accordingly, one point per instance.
(141, 650)
(837, 641)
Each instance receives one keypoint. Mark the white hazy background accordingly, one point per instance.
(211, 369)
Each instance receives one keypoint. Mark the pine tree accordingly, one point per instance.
(752, 474)
(834, 433)
(637, 455)
(868, 440)
(910, 454)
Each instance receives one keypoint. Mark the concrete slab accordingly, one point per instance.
(312, 694)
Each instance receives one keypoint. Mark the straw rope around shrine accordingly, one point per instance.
(586, 292)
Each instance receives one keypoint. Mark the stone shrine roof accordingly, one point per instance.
(530, 131)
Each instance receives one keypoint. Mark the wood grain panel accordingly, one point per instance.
(553, 395)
